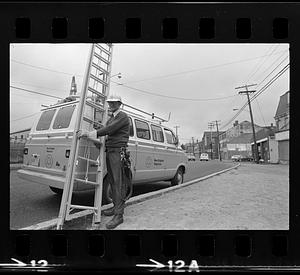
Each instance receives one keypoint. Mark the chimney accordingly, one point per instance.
(73, 90)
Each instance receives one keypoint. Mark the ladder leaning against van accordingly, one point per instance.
(95, 91)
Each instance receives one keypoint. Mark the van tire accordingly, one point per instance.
(178, 178)
(57, 191)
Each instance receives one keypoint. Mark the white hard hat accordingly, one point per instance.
(114, 98)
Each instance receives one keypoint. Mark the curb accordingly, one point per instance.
(137, 199)
(15, 166)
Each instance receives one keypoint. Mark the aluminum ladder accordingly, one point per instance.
(92, 108)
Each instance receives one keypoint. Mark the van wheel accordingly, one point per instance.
(178, 178)
(55, 190)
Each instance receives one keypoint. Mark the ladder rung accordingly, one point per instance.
(83, 207)
(98, 79)
(102, 49)
(99, 68)
(86, 181)
(101, 58)
(92, 90)
(96, 106)
(89, 160)
(91, 121)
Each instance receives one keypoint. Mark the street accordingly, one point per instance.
(31, 203)
(249, 197)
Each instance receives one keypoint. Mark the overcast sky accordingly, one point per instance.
(195, 82)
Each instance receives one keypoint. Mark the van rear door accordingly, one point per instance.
(58, 143)
(38, 137)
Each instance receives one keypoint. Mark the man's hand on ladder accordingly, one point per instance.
(87, 134)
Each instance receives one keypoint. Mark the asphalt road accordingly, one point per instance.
(31, 203)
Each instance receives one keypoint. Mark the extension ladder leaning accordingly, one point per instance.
(92, 108)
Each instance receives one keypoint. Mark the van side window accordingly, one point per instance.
(63, 117)
(130, 127)
(142, 129)
(170, 136)
(157, 133)
(45, 120)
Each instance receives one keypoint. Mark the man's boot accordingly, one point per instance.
(109, 212)
(115, 221)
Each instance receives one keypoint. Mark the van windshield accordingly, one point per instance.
(63, 117)
(45, 120)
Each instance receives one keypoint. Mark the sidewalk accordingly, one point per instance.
(251, 197)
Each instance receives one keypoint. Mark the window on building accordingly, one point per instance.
(142, 129)
(157, 133)
(45, 120)
(63, 117)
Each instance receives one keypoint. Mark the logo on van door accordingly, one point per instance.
(148, 162)
(48, 161)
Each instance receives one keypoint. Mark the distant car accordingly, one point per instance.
(236, 157)
(191, 157)
(246, 159)
(204, 156)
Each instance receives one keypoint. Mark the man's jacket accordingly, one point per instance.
(117, 129)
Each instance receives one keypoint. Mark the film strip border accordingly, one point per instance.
(205, 23)
(87, 249)
(133, 28)
(135, 22)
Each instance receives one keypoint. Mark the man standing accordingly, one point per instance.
(117, 131)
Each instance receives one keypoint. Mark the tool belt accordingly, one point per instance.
(126, 171)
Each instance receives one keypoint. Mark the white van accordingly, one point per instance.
(155, 154)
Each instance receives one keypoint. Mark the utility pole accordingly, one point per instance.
(193, 146)
(210, 126)
(176, 127)
(251, 116)
(218, 141)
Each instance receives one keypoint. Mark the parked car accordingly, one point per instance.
(236, 157)
(191, 157)
(246, 159)
(204, 156)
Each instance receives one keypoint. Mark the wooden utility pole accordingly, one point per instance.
(218, 141)
(210, 126)
(193, 146)
(176, 127)
(251, 116)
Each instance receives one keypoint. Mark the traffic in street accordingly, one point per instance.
(32, 203)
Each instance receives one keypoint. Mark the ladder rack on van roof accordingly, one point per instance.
(150, 114)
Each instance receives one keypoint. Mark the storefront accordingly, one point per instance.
(283, 146)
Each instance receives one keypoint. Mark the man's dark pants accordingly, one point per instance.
(114, 173)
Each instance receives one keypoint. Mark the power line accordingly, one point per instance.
(273, 64)
(263, 61)
(44, 68)
(245, 104)
(24, 117)
(272, 71)
(34, 92)
(258, 93)
(173, 97)
(35, 86)
(260, 112)
(200, 69)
